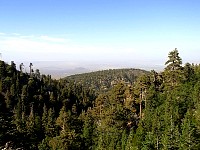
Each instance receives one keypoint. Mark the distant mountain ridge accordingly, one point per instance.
(104, 80)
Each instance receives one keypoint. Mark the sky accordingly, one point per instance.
(113, 32)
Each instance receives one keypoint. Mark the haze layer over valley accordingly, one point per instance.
(59, 69)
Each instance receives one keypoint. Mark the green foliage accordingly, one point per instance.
(188, 139)
(173, 71)
(103, 81)
(122, 109)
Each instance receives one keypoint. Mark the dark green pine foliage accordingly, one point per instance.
(88, 129)
(5, 122)
(189, 134)
(23, 95)
(124, 109)
(170, 138)
(173, 71)
(103, 81)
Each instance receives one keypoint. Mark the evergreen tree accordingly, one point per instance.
(130, 144)
(188, 139)
(173, 71)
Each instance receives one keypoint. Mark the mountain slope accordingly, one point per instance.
(101, 81)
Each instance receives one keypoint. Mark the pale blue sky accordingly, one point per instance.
(111, 31)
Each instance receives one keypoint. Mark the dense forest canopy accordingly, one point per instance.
(102, 81)
(143, 110)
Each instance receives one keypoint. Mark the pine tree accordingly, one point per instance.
(44, 118)
(123, 140)
(174, 62)
(188, 139)
(170, 138)
(50, 126)
(130, 145)
(173, 71)
(88, 129)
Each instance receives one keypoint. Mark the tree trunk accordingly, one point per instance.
(141, 103)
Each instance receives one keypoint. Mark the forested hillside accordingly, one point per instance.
(35, 110)
(156, 111)
(101, 81)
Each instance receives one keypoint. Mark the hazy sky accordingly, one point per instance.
(121, 31)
